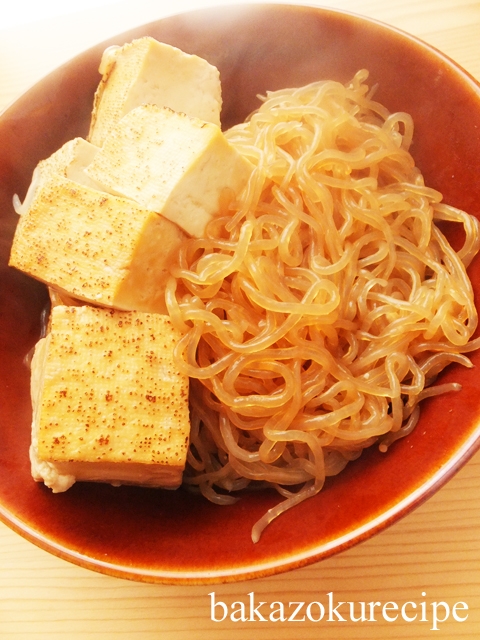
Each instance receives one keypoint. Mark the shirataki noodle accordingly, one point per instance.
(320, 307)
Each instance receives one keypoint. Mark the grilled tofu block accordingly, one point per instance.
(68, 161)
(109, 402)
(96, 247)
(178, 166)
(148, 71)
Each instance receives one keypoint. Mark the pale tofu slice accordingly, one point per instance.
(109, 401)
(68, 161)
(96, 247)
(148, 71)
(181, 167)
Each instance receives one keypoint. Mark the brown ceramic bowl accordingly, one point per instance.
(174, 537)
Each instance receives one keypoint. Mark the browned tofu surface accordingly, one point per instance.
(96, 247)
(106, 389)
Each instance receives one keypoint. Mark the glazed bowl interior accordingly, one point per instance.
(177, 537)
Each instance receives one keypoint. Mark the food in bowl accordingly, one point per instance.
(109, 403)
(319, 304)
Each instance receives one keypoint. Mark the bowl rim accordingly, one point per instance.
(257, 570)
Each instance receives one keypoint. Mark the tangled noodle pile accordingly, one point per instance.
(317, 313)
